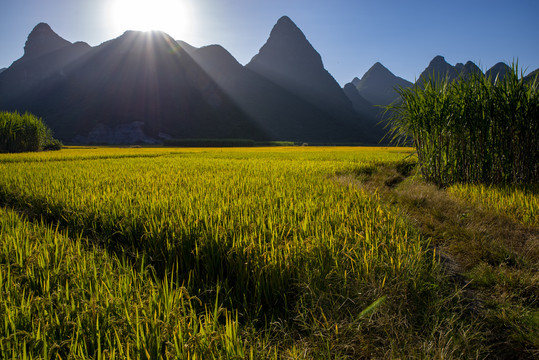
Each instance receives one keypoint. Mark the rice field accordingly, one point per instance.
(217, 253)
(518, 202)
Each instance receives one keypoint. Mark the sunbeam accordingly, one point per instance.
(170, 16)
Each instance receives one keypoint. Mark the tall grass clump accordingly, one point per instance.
(24, 133)
(473, 130)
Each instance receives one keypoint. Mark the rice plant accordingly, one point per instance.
(474, 129)
(61, 297)
(214, 253)
(518, 202)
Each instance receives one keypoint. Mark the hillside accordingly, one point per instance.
(378, 85)
(143, 87)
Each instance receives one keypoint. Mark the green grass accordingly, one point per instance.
(228, 253)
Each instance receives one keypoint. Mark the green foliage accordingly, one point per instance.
(52, 145)
(474, 130)
(24, 133)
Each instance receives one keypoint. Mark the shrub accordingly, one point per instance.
(472, 130)
(22, 133)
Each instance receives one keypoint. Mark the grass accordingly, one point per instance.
(486, 246)
(289, 253)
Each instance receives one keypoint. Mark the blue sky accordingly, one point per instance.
(350, 35)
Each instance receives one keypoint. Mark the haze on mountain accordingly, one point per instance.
(289, 61)
(146, 86)
(136, 87)
(378, 85)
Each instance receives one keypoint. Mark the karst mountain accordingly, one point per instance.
(143, 87)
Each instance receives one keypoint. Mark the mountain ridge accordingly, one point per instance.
(378, 85)
(41, 40)
(140, 87)
(290, 61)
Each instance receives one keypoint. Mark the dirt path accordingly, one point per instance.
(494, 259)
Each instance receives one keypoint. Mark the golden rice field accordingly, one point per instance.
(221, 253)
(518, 202)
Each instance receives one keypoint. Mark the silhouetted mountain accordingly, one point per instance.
(135, 88)
(281, 114)
(365, 109)
(359, 103)
(499, 70)
(217, 61)
(438, 69)
(468, 69)
(45, 54)
(355, 81)
(141, 87)
(43, 40)
(2, 70)
(289, 61)
(532, 76)
(187, 47)
(378, 85)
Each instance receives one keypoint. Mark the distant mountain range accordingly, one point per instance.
(145, 87)
(534, 75)
(378, 85)
(439, 69)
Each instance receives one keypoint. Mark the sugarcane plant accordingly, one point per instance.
(24, 133)
(476, 129)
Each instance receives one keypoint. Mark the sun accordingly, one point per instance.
(170, 16)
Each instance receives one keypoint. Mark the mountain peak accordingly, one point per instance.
(42, 27)
(285, 21)
(499, 70)
(439, 69)
(438, 60)
(379, 70)
(378, 85)
(286, 50)
(43, 40)
(470, 67)
(285, 31)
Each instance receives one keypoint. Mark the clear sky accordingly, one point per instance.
(351, 35)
